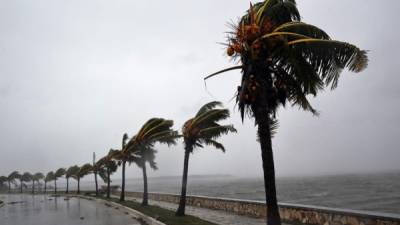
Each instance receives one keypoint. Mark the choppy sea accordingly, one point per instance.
(373, 192)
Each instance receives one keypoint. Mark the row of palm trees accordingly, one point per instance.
(282, 60)
(201, 130)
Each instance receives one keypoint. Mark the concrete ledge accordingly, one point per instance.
(290, 213)
(136, 214)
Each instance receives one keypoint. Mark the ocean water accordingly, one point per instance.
(372, 192)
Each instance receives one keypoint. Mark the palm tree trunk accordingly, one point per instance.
(122, 198)
(9, 186)
(33, 186)
(21, 185)
(95, 181)
(79, 188)
(182, 202)
(67, 186)
(262, 117)
(55, 186)
(108, 182)
(145, 200)
(45, 187)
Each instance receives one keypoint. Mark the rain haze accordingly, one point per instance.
(76, 75)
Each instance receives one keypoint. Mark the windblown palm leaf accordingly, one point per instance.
(155, 130)
(83, 171)
(204, 128)
(38, 176)
(59, 173)
(14, 175)
(50, 176)
(26, 177)
(71, 171)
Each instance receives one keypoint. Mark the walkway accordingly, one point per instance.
(215, 216)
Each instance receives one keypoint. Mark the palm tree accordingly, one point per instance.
(203, 129)
(283, 60)
(3, 179)
(26, 177)
(36, 177)
(11, 179)
(49, 177)
(108, 166)
(96, 170)
(71, 171)
(83, 171)
(122, 157)
(59, 173)
(155, 130)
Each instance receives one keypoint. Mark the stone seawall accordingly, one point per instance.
(290, 213)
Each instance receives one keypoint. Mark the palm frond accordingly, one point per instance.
(60, 172)
(50, 176)
(216, 131)
(223, 71)
(279, 11)
(150, 124)
(304, 29)
(208, 106)
(329, 57)
(162, 126)
(214, 143)
(211, 116)
(71, 171)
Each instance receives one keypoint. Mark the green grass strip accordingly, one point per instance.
(164, 215)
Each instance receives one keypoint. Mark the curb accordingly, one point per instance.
(136, 214)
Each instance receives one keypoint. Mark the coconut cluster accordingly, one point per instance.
(247, 35)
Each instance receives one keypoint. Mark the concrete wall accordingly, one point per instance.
(291, 213)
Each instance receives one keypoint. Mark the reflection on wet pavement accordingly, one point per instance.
(45, 210)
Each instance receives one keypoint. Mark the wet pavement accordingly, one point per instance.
(47, 210)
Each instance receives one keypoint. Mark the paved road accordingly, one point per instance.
(27, 209)
(216, 216)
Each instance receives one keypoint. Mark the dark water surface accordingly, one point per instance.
(372, 192)
(45, 210)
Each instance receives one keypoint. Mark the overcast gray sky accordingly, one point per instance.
(75, 75)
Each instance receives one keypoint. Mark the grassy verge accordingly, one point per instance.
(164, 215)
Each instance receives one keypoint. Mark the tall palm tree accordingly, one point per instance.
(122, 157)
(36, 177)
(155, 130)
(71, 171)
(59, 173)
(283, 60)
(26, 177)
(49, 177)
(203, 129)
(11, 179)
(96, 169)
(83, 171)
(108, 166)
